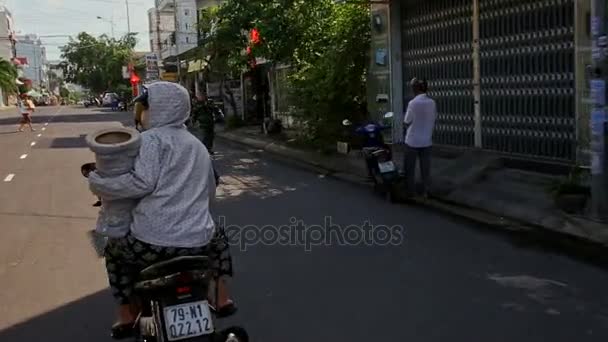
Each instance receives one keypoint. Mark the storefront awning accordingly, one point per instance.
(196, 65)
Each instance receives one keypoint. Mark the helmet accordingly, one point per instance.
(140, 104)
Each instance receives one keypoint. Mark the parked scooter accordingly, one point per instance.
(379, 158)
(174, 298)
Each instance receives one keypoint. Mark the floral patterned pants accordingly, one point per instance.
(126, 257)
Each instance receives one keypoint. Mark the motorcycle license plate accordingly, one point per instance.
(188, 320)
(385, 167)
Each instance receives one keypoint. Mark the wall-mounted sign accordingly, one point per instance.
(598, 92)
(595, 26)
(169, 76)
(152, 69)
(381, 57)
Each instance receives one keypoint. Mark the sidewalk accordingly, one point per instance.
(475, 185)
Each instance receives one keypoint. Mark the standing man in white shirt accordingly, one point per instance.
(420, 122)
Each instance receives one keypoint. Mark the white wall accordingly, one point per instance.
(6, 29)
(186, 25)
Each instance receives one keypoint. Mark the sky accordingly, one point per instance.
(69, 17)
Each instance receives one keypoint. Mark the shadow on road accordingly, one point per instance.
(87, 319)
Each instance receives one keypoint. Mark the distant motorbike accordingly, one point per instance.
(378, 158)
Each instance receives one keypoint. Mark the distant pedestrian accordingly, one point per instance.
(115, 102)
(203, 114)
(26, 108)
(420, 120)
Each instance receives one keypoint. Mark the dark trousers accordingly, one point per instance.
(423, 155)
(208, 140)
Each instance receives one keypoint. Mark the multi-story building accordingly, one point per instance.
(7, 43)
(55, 76)
(7, 34)
(30, 48)
(183, 35)
(161, 28)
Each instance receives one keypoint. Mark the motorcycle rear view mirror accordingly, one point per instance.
(347, 123)
(87, 168)
(389, 115)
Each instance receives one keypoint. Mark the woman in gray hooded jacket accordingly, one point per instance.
(173, 182)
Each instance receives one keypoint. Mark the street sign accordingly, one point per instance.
(152, 69)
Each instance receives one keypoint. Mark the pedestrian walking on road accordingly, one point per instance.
(419, 121)
(26, 108)
(203, 114)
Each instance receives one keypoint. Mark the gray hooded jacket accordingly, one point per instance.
(172, 178)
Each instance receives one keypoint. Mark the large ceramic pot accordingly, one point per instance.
(115, 151)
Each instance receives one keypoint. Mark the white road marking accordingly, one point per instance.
(9, 177)
(33, 143)
(43, 128)
(46, 124)
(39, 135)
(23, 156)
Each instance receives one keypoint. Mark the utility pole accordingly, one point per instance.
(599, 167)
(128, 18)
(175, 35)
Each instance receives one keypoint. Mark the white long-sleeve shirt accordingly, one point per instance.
(420, 116)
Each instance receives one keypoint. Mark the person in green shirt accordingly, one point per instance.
(203, 114)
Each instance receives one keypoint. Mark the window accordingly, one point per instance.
(187, 26)
(187, 40)
(186, 12)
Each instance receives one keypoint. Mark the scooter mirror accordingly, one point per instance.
(87, 168)
(346, 122)
(388, 115)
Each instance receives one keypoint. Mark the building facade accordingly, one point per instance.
(7, 43)
(183, 33)
(30, 49)
(161, 28)
(503, 72)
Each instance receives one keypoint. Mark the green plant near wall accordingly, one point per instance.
(234, 122)
(573, 184)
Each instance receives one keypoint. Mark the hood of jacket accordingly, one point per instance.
(169, 105)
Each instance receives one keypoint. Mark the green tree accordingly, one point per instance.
(8, 76)
(64, 92)
(325, 42)
(96, 62)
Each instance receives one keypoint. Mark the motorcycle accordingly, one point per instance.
(379, 159)
(173, 296)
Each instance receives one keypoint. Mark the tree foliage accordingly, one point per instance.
(8, 76)
(96, 62)
(324, 42)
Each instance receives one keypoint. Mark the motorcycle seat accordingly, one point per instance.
(179, 264)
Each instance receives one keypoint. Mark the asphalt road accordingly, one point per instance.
(419, 277)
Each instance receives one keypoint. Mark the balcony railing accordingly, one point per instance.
(163, 5)
(168, 51)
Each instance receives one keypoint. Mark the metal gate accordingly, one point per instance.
(526, 65)
(437, 45)
(527, 77)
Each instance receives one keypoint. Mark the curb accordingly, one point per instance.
(571, 232)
